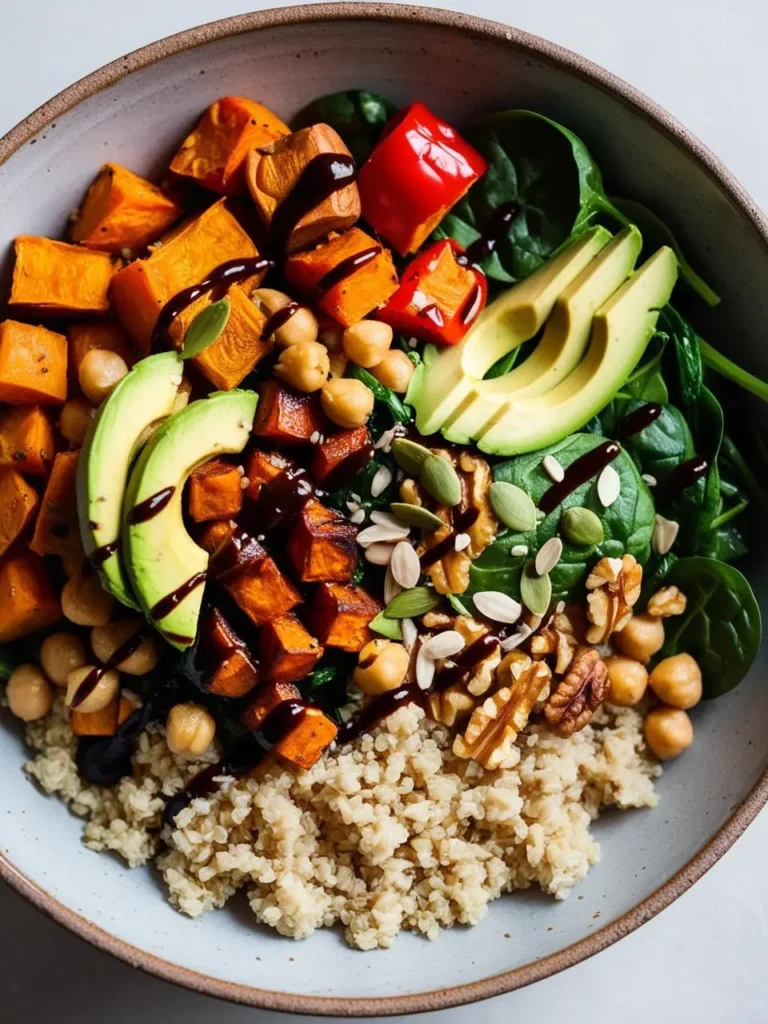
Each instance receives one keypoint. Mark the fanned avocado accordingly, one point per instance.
(166, 568)
(142, 399)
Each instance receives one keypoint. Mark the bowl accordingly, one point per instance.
(135, 111)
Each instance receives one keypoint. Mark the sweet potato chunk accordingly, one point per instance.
(26, 597)
(252, 579)
(214, 491)
(33, 364)
(339, 614)
(357, 293)
(141, 289)
(213, 535)
(26, 439)
(122, 211)
(18, 503)
(222, 656)
(56, 529)
(60, 279)
(83, 338)
(311, 735)
(265, 700)
(341, 456)
(260, 468)
(285, 416)
(274, 170)
(322, 545)
(214, 153)
(102, 723)
(287, 651)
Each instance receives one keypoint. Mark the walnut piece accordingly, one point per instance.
(579, 695)
(667, 601)
(614, 587)
(456, 701)
(557, 642)
(494, 726)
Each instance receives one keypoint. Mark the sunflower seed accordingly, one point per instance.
(560, 607)
(358, 516)
(314, 437)
(665, 534)
(493, 604)
(405, 566)
(553, 468)
(548, 555)
(463, 540)
(425, 669)
(388, 520)
(417, 601)
(381, 481)
(440, 479)
(415, 515)
(444, 645)
(381, 535)
(535, 590)
(649, 479)
(385, 441)
(608, 486)
(409, 455)
(520, 634)
(355, 497)
(519, 550)
(513, 506)
(379, 554)
(391, 587)
(410, 633)
(353, 506)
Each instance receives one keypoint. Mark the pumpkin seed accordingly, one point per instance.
(535, 590)
(415, 515)
(513, 506)
(581, 526)
(405, 566)
(409, 455)
(413, 602)
(389, 628)
(548, 555)
(439, 478)
(205, 328)
(500, 607)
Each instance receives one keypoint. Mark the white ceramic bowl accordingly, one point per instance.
(135, 111)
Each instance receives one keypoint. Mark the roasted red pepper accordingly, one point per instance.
(439, 297)
(418, 170)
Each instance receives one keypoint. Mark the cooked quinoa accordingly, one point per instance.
(390, 832)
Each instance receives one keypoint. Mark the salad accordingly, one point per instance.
(364, 483)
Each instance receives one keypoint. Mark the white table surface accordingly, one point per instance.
(704, 959)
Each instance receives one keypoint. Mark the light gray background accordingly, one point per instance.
(703, 959)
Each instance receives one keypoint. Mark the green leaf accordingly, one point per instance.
(205, 328)
(397, 409)
(719, 363)
(457, 604)
(389, 628)
(687, 354)
(358, 116)
(360, 486)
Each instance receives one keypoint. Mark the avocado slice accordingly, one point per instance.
(143, 397)
(443, 385)
(621, 329)
(161, 557)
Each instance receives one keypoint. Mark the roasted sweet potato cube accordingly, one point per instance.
(56, 529)
(260, 468)
(18, 504)
(339, 614)
(83, 338)
(285, 416)
(273, 171)
(215, 491)
(33, 364)
(213, 535)
(367, 285)
(252, 579)
(122, 211)
(223, 658)
(322, 545)
(26, 439)
(58, 279)
(26, 597)
(265, 700)
(95, 723)
(214, 153)
(287, 651)
(341, 456)
(311, 735)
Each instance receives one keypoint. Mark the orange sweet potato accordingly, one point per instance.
(18, 504)
(102, 723)
(56, 529)
(214, 153)
(265, 700)
(260, 468)
(83, 338)
(214, 491)
(122, 211)
(287, 651)
(26, 597)
(339, 614)
(362, 290)
(252, 579)
(141, 289)
(26, 439)
(273, 171)
(213, 535)
(322, 545)
(341, 456)
(58, 279)
(33, 364)
(311, 735)
(231, 671)
(285, 416)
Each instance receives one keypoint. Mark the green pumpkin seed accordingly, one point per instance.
(205, 328)
(389, 628)
(513, 506)
(440, 479)
(415, 515)
(536, 591)
(409, 455)
(413, 602)
(581, 526)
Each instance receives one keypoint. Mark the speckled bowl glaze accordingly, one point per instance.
(135, 111)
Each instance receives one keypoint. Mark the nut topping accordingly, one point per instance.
(666, 602)
(614, 587)
(579, 694)
(557, 642)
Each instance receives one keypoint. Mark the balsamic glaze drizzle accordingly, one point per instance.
(579, 472)
(150, 507)
(634, 422)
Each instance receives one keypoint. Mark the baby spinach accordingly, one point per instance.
(358, 116)
(725, 367)
(721, 624)
(685, 342)
(360, 487)
(662, 445)
(326, 687)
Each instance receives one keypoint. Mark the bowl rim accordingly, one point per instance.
(637, 103)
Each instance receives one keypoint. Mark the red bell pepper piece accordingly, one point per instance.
(439, 297)
(418, 170)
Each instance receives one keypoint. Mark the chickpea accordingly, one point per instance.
(99, 372)
(105, 640)
(304, 366)
(677, 681)
(60, 654)
(104, 692)
(348, 403)
(394, 371)
(301, 326)
(75, 419)
(85, 602)
(628, 679)
(338, 363)
(367, 342)
(382, 666)
(641, 638)
(30, 695)
(668, 732)
(189, 730)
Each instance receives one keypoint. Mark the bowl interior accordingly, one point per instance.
(138, 121)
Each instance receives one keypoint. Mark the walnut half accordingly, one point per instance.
(579, 694)
(666, 602)
(614, 586)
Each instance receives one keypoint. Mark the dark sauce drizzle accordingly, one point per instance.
(461, 522)
(638, 420)
(167, 604)
(471, 306)
(100, 555)
(324, 174)
(281, 498)
(150, 507)
(496, 229)
(578, 473)
(279, 319)
(686, 474)
(346, 268)
(94, 677)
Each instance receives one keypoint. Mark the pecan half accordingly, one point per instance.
(667, 601)
(614, 587)
(579, 695)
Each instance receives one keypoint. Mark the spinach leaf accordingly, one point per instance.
(360, 486)
(358, 116)
(687, 354)
(326, 687)
(720, 364)
(398, 410)
(655, 573)
(721, 624)
(725, 543)
(661, 446)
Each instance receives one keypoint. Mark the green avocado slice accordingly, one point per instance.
(164, 563)
(443, 384)
(143, 398)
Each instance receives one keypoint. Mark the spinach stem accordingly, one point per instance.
(727, 516)
(716, 361)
